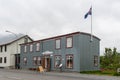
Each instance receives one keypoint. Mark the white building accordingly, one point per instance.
(10, 50)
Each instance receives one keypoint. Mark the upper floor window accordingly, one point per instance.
(31, 47)
(37, 46)
(69, 61)
(25, 48)
(95, 60)
(25, 40)
(69, 42)
(57, 43)
(5, 48)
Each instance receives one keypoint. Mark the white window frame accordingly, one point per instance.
(69, 42)
(31, 47)
(95, 61)
(69, 64)
(58, 43)
(39, 60)
(37, 46)
(57, 61)
(25, 48)
(25, 61)
(34, 60)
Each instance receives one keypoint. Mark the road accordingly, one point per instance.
(33, 75)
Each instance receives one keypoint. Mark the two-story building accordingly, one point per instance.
(75, 51)
(10, 50)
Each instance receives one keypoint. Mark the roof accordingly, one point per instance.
(63, 36)
(5, 40)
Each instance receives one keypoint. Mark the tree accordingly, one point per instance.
(111, 59)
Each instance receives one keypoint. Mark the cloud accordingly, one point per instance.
(46, 18)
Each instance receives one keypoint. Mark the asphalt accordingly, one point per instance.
(65, 74)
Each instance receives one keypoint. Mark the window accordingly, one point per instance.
(57, 61)
(5, 59)
(57, 44)
(1, 48)
(5, 48)
(0, 59)
(34, 60)
(69, 61)
(39, 61)
(25, 61)
(69, 42)
(37, 46)
(25, 48)
(95, 61)
(31, 47)
(26, 40)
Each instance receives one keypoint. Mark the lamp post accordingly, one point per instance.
(16, 57)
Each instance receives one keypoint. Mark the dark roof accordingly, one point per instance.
(5, 40)
(63, 36)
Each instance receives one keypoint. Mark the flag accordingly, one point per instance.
(88, 13)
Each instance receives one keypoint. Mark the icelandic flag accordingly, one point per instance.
(88, 13)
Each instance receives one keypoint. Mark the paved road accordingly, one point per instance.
(33, 75)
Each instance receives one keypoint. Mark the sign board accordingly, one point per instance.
(118, 70)
(41, 69)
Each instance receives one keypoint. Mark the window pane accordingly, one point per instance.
(34, 60)
(69, 61)
(31, 48)
(25, 61)
(0, 59)
(5, 59)
(37, 46)
(57, 61)
(69, 42)
(25, 48)
(58, 44)
(95, 60)
(39, 61)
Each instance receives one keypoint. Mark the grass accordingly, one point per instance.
(105, 72)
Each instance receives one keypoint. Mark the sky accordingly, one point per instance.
(46, 18)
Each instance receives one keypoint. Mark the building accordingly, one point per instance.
(75, 51)
(10, 50)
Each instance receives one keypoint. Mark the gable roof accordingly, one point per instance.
(69, 34)
(5, 40)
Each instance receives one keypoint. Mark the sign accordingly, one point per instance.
(118, 70)
(41, 69)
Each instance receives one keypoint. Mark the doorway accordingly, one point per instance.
(17, 61)
(46, 62)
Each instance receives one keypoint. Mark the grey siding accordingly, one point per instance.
(89, 49)
(83, 52)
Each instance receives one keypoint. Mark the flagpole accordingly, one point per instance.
(91, 39)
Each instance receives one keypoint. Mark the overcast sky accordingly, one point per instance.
(45, 18)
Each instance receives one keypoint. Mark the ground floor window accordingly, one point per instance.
(34, 60)
(5, 59)
(57, 61)
(69, 61)
(95, 61)
(0, 59)
(39, 61)
(25, 61)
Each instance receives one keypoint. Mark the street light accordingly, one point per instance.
(16, 46)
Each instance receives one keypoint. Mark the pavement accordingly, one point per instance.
(65, 74)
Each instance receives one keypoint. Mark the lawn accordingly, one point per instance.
(104, 72)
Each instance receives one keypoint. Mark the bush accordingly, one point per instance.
(116, 74)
